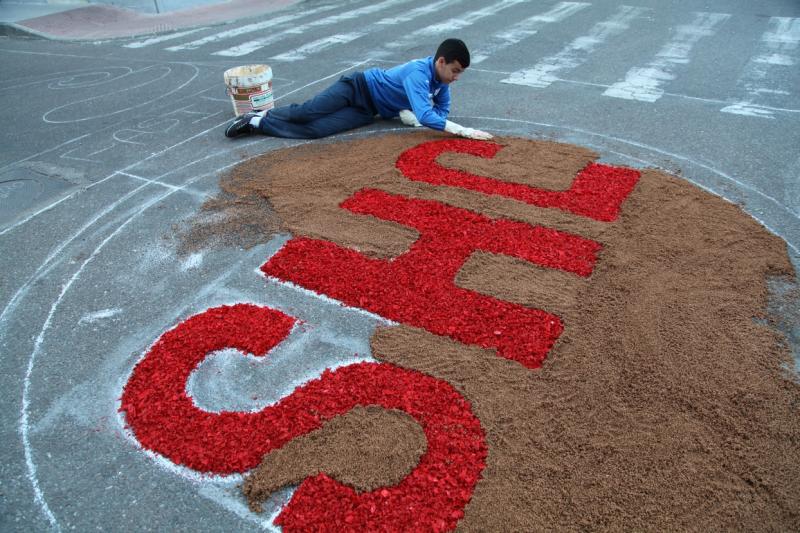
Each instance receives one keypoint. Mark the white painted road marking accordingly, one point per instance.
(456, 23)
(778, 49)
(269, 24)
(342, 38)
(162, 38)
(577, 52)
(257, 44)
(644, 83)
(526, 28)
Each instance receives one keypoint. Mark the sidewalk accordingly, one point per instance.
(94, 21)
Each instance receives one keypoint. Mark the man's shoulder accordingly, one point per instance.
(423, 64)
(418, 69)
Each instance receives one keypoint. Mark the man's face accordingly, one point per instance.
(448, 72)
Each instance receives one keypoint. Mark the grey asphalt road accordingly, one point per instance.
(107, 145)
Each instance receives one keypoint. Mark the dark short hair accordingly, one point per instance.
(453, 50)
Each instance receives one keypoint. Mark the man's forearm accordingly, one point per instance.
(470, 133)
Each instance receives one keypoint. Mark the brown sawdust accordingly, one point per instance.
(664, 404)
(387, 443)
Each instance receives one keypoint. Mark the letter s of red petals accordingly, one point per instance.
(597, 191)
(165, 420)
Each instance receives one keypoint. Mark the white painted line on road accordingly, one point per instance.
(342, 38)
(91, 318)
(337, 73)
(762, 75)
(525, 28)
(37, 154)
(577, 52)
(454, 24)
(318, 46)
(644, 83)
(127, 88)
(606, 86)
(257, 44)
(198, 194)
(162, 38)
(414, 13)
(267, 26)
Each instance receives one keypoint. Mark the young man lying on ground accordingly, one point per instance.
(418, 92)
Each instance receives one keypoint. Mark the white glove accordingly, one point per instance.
(409, 119)
(455, 129)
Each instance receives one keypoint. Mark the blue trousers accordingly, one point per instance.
(343, 106)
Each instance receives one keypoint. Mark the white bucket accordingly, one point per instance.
(250, 88)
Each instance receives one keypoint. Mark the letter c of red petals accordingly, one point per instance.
(165, 420)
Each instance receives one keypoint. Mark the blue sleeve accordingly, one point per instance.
(441, 102)
(417, 91)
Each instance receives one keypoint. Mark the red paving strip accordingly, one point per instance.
(106, 22)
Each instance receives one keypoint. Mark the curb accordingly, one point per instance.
(130, 24)
(12, 29)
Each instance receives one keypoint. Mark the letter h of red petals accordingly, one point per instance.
(417, 288)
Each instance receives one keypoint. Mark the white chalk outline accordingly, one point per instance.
(130, 88)
(23, 420)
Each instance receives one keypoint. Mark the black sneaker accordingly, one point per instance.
(240, 126)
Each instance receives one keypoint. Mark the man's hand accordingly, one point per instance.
(455, 129)
(409, 118)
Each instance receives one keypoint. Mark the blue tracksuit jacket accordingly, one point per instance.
(414, 86)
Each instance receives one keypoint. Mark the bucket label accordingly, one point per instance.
(261, 99)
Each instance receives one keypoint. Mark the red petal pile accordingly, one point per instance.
(418, 288)
(597, 192)
(165, 420)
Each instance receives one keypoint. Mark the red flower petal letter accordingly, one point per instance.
(418, 287)
(597, 192)
(164, 419)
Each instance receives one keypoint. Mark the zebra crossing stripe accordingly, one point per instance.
(526, 28)
(778, 48)
(577, 52)
(162, 38)
(453, 24)
(644, 83)
(417, 12)
(257, 44)
(342, 38)
(269, 24)
(318, 45)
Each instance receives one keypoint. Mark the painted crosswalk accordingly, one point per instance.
(257, 44)
(593, 36)
(267, 25)
(778, 50)
(646, 83)
(525, 29)
(453, 24)
(319, 45)
(577, 52)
